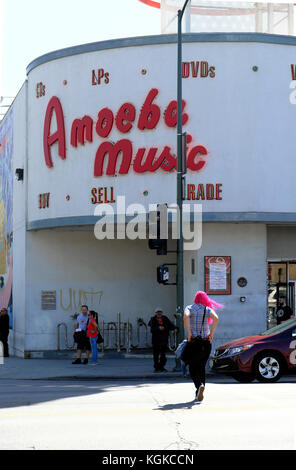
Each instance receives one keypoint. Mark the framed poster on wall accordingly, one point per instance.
(218, 275)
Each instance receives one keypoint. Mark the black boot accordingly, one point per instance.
(77, 361)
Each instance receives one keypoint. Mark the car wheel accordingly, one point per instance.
(243, 377)
(268, 367)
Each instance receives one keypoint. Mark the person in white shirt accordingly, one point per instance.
(83, 342)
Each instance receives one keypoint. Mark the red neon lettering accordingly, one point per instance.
(112, 194)
(185, 69)
(145, 159)
(210, 192)
(106, 80)
(196, 152)
(218, 192)
(200, 194)
(124, 147)
(94, 195)
(169, 161)
(204, 69)
(125, 115)
(100, 195)
(105, 122)
(194, 68)
(81, 130)
(149, 164)
(150, 113)
(93, 78)
(191, 192)
(58, 136)
(170, 117)
(212, 72)
(100, 75)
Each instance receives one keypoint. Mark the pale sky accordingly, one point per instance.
(30, 28)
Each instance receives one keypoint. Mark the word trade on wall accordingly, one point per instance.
(204, 192)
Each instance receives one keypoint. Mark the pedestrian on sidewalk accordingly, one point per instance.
(197, 318)
(160, 328)
(4, 330)
(284, 312)
(83, 340)
(92, 332)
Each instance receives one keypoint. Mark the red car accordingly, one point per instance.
(265, 357)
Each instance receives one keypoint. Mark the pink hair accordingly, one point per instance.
(203, 299)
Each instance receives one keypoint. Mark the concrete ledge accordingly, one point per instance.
(263, 38)
(68, 354)
(213, 217)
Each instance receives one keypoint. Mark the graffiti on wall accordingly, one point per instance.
(72, 299)
(6, 188)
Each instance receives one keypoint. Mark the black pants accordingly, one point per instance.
(4, 341)
(197, 365)
(159, 356)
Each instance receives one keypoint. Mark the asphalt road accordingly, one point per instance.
(139, 415)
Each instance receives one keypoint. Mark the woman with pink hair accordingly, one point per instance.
(197, 318)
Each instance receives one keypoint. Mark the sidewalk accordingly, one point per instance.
(125, 367)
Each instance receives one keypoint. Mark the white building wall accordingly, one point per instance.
(233, 115)
(281, 243)
(122, 273)
(246, 244)
(17, 339)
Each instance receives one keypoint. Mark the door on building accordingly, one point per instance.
(281, 283)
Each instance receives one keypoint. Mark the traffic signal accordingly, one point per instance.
(158, 230)
(159, 245)
(162, 274)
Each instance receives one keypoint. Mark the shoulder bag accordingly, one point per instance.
(100, 338)
(180, 349)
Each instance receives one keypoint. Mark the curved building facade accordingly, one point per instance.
(94, 126)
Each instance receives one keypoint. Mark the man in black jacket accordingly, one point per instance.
(160, 327)
(4, 330)
(284, 312)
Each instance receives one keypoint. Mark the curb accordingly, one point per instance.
(113, 376)
(108, 377)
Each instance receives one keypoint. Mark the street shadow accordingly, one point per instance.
(23, 392)
(20, 393)
(177, 406)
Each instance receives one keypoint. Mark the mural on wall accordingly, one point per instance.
(6, 188)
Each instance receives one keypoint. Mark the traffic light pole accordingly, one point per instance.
(180, 243)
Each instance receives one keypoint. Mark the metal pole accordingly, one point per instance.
(118, 332)
(270, 18)
(180, 244)
(290, 19)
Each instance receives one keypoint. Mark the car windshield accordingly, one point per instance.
(279, 328)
